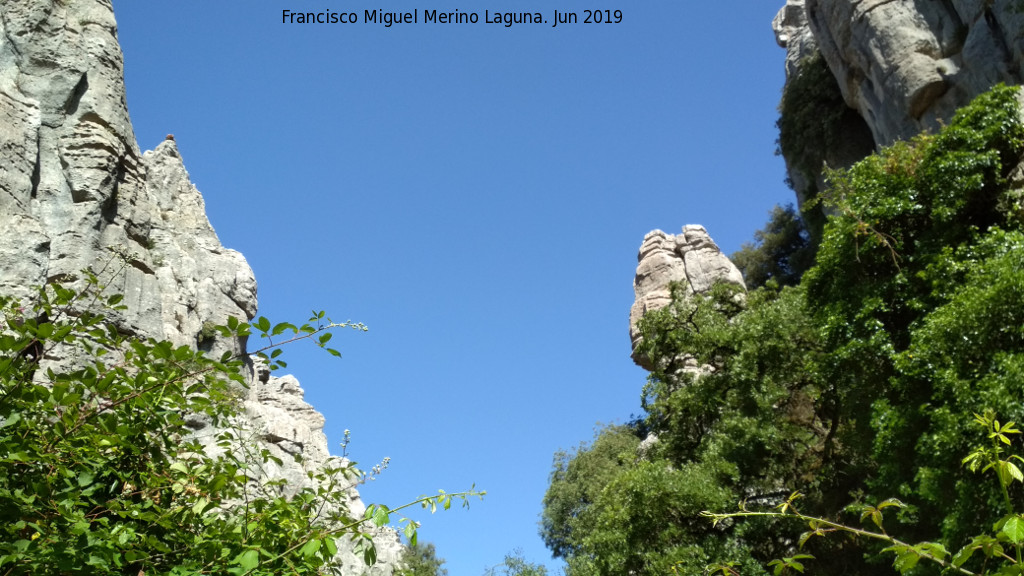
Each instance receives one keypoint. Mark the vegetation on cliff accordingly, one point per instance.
(857, 384)
(781, 251)
(102, 472)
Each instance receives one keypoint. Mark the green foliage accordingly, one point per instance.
(421, 560)
(812, 115)
(781, 251)
(577, 480)
(906, 276)
(1006, 537)
(723, 434)
(516, 565)
(857, 384)
(100, 474)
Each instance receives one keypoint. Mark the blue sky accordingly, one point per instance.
(476, 194)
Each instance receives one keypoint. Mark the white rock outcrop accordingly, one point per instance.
(74, 186)
(691, 258)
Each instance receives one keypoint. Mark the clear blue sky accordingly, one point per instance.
(476, 194)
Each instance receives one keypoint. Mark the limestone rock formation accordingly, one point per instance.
(75, 189)
(905, 66)
(793, 34)
(691, 257)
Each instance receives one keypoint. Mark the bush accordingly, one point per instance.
(99, 472)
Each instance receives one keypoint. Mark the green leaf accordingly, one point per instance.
(1014, 471)
(876, 517)
(44, 331)
(963, 555)
(1013, 528)
(934, 549)
(12, 419)
(906, 558)
(905, 562)
(200, 506)
(248, 560)
(310, 548)
(263, 325)
(381, 516)
(891, 502)
(370, 555)
(332, 547)
(282, 327)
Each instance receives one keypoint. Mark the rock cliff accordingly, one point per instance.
(904, 66)
(74, 186)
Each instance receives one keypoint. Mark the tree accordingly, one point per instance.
(781, 251)
(733, 414)
(576, 481)
(516, 565)
(421, 560)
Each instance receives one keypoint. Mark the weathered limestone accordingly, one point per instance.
(691, 257)
(793, 34)
(76, 193)
(906, 66)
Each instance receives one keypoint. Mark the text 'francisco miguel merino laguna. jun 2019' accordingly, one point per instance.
(388, 19)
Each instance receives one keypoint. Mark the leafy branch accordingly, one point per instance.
(101, 469)
(1009, 530)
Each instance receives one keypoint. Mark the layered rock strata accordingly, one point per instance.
(77, 193)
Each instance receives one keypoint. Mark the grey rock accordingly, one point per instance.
(691, 258)
(793, 34)
(77, 193)
(905, 66)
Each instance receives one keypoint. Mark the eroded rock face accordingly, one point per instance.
(76, 193)
(906, 65)
(793, 34)
(691, 257)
